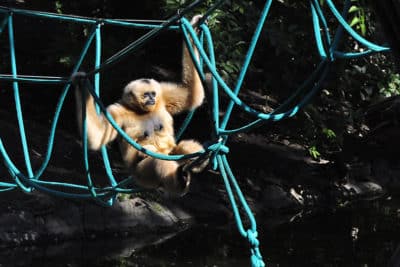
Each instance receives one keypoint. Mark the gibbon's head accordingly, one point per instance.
(142, 95)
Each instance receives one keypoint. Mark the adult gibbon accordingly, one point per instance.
(145, 112)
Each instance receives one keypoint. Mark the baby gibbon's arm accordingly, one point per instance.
(99, 131)
(189, 94)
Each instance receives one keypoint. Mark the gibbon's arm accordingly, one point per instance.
(99, 131)
(188, 94)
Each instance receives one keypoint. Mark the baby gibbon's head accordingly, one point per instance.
(142, 95)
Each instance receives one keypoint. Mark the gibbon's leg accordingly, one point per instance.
(155, 173)
(188, 147)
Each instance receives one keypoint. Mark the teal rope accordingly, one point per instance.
(185, 124)
(339, 30)
(214, 84)
(199, 67)
(106, 160)
(214, 110)
(145, 24)
(251, 233)
(17, 98)
(247, 60)
(34, 79)
(12, 169)
(317, 15)
(85, 146)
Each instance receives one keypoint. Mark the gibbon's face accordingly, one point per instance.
(142, 95)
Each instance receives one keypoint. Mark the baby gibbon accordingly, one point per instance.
(145, 112)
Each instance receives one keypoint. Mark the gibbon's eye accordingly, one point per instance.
(151, 94)
(159, 127)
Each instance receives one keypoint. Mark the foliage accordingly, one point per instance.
(329, 133)
(358, 16)
(314, 153)
(58, 7)
(390, 86)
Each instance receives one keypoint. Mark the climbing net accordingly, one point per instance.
(326, 43)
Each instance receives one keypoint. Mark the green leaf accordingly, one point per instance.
(330, 134)
(314, 152)
(354, 21)
(353, 9)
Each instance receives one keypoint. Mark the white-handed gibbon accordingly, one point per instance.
(145, 112)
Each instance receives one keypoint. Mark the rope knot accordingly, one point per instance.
(218, 148)
(256, 258)
(252, 237)
(257, 261)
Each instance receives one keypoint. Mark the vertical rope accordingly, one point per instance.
(233, 189)
(17, 97)
(215, 95)
(85, 148)
(106, 160)
(247, 60)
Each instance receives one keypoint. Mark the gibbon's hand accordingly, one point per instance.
(79, 80)
(194, 22)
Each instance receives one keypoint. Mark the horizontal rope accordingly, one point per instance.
(131, 23)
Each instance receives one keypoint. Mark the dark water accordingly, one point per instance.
(366, 234)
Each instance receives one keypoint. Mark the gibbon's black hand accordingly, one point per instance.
(80, 80)
(194, 22)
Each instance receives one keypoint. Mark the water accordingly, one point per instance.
(366, 234)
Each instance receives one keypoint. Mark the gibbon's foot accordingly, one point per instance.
(175, 184)
(184, 178)
(196, 165)
(179, 186)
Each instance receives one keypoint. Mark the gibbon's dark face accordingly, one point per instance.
(142, 95)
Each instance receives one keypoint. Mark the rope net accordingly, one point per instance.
(29, 180)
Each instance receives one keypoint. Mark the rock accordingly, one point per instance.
(71, 220)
